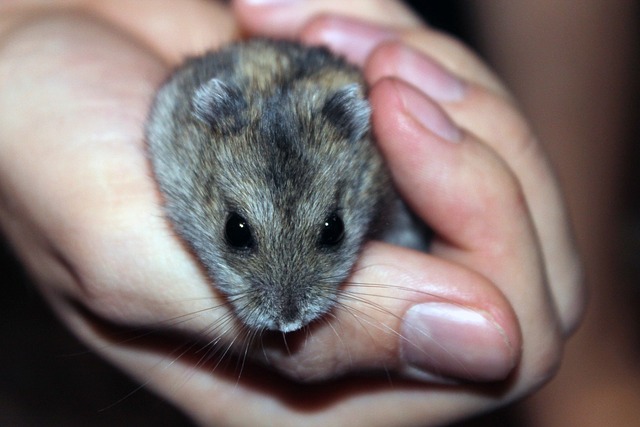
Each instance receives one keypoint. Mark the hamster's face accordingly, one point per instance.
(280, 266)
(291, 195)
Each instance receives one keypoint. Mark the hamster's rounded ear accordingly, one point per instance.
(219, 104)
(349, 111)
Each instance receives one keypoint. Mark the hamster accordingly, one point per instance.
(263, 154)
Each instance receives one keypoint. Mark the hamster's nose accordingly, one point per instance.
(289, 318)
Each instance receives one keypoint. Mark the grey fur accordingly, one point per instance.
(279, 134)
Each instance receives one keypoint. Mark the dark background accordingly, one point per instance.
(48, 378)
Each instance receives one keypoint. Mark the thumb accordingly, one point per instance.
(285, 18)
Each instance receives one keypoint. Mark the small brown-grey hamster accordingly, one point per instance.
(264, 156)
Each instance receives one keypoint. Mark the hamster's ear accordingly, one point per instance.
(349, 111)
(219, 104)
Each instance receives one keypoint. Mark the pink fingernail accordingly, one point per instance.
(452, 341)
(268, 2)
(427, 75)
(427, 113)
(349, 37)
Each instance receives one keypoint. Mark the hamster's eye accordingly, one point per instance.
(332, 230)
(238, 232)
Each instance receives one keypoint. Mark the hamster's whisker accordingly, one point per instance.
(354, 313)
(147, 330)
(247, 340)
(362, 316)
(359, 297)
(286, 344)
(338, 335)
(399, 297)
(225, 351)
(264, 350)
(223, 327)
(307, 331)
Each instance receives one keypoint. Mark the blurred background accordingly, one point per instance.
(573, 65)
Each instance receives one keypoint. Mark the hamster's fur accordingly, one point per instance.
(263, 153)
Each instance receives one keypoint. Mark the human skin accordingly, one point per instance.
(539, 48)
(80, 209)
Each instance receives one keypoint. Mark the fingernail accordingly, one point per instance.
(427, 113)
(449, 341)
(268, 2)
(427, 75)
(352, 38)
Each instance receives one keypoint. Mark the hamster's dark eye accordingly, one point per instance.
(238, 232)
(332, 230)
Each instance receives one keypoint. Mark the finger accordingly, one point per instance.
(285, 18)
(174, 30)
(411, 313)
(241, 396)
(496, 120)
(87, 187)
(475, 205)
(352, 37)
(489, 111)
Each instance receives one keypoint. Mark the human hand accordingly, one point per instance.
(403, 60)
(82, 212)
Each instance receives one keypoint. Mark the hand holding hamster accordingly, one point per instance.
(85, 216)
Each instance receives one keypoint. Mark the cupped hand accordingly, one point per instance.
(493, 301)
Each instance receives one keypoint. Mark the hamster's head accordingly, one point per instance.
(289, 188)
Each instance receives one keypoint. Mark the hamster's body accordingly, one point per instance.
(263, 154)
